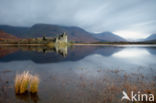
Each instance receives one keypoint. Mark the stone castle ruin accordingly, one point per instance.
(61, 38)
(61, 42)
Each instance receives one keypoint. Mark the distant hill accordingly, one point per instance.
(151, 38)
(74, 33)
(108, 36)
(4, 35)
(16, 31)
(38, 30)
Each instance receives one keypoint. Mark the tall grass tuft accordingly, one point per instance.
(34, 82)
(18, 80)
(24, 81)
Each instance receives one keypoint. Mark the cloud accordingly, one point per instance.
(92, 15)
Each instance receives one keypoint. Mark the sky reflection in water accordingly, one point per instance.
(86, 72)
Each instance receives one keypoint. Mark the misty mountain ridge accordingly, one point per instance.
(109, 36)
(151, 37)
(75, 34)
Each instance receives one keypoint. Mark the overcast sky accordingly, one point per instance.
(131, 19)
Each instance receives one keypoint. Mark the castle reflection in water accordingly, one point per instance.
(62, 50)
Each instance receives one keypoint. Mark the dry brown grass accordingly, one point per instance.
(17, 83)
(24, 81)
(34, 82)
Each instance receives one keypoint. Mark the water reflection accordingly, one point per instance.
(6, 50)
(49, 55)
(27, 98)
(131, 53)
(92, 74)
(59, 54)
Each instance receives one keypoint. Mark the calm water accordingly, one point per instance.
(84, 74)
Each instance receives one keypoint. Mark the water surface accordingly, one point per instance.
(85, 74)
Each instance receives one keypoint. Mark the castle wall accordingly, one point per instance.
(62, 38)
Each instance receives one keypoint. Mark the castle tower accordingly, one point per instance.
(65, 39)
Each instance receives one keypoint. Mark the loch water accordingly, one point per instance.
(79, 74)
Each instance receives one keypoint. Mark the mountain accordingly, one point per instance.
(38, 30)
(108, 36)
(4, 35)
(16, 31)
(75, 34)
(151, 38)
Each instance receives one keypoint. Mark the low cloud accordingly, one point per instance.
(92, 15)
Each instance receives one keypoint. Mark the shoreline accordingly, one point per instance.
(82, 44)
(22, 44)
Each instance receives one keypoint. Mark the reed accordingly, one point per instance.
(34, 82)
(18, 80)
(24, 81)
